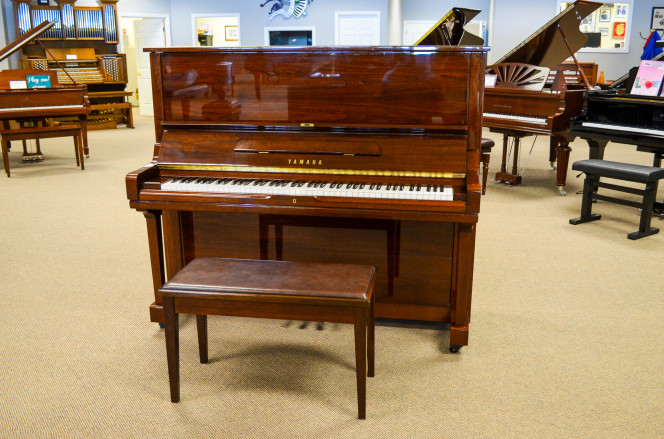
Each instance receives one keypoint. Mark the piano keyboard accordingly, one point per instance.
(623, 128)
(311, 189)
(50, 107)
(528, 119)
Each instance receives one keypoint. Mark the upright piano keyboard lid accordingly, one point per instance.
(424, 87)
(547, 46)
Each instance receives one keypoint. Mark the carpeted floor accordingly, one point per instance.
(566, 336)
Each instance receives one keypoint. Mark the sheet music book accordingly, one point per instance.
(648, 80)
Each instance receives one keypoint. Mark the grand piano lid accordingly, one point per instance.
(441, 35)
(547, 46)
(25, 39)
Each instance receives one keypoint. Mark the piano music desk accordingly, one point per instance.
(36, 133)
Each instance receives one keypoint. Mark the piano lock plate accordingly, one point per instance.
(278, 170)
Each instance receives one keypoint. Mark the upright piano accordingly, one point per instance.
(358, 154)
(520, 106)
(34, 105)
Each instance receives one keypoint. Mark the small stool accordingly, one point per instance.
(595, 169)
(485, 155)
(340, 293)
(43, 132)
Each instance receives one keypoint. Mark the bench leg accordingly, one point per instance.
(172, 347)
(201, 329)
(371, 339)
(646, 213)
(5, 155)
(587, 203)
(361, 361)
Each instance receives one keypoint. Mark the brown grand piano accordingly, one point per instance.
(32, 106)
(520, 106)
(336, 145)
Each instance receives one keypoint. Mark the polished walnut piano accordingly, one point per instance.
(362, 154)
(26, 107)
(520, 105)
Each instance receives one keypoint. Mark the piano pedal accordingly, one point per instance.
(32, 158)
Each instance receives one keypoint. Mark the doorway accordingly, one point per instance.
(137, 33)
(217, 30)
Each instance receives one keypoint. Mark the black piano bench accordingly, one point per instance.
(595, 169)
(36, 133)
(340, 293)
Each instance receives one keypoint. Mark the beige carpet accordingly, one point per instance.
(566, 336)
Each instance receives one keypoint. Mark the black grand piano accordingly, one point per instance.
(615, 115)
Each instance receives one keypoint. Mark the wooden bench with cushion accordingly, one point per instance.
(43, 132)
(340, 293)
(595, 169)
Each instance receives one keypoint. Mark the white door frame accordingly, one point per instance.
(194, 39)
(338, 14)
(165, 17)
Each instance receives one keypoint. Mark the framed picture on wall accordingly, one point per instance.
(619, 29)
(605, 15)
(621, 10)
(231, 33)
(657, 20)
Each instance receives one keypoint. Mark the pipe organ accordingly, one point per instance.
(81, 47)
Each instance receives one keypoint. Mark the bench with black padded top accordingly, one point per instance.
(339, 293)
(595, 169)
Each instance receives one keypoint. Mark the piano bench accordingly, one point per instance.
(485, 155)
(41, 132)
(340, 293)
(595, 169)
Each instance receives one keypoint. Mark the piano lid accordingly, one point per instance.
(25, 39)
(449, 31)
(547, 46)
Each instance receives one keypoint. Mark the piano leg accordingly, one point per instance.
(562, 157)
(156, 247)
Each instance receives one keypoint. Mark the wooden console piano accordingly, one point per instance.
(349, 142)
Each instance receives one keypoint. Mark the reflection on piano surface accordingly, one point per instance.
(449, 31)
(517, 111)
(346, 142)
(30, 107)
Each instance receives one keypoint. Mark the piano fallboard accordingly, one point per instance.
(544, 112)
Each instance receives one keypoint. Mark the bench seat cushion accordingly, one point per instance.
(620, 171)
(219, 276)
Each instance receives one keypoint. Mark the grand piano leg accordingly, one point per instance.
(562, 157)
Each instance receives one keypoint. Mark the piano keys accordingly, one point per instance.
(518, 111)
(336, 139)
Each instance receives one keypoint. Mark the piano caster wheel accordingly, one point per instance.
(87, 156)
(454, 348)
(553, 165)
(562, 192)
(161, 325)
